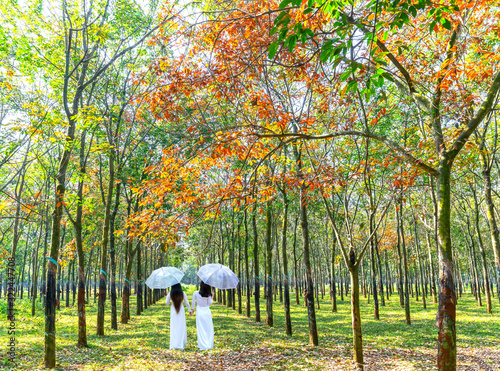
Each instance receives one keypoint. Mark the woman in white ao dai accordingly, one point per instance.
(204, 326)
(178, 331)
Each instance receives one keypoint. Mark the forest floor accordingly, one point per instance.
(243, 344)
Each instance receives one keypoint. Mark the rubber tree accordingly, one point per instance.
(487, 159)
(352, 260)
(432, 109)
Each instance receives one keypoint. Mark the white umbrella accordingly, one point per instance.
(164, 277)
(218, 276)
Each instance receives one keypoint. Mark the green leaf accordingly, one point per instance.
(280, 17)
(336, 63)
(292, 41)
(413, 11)
(284, 4)
(325, 54)
(303, 37)
(352, 85)
(446, 23)
(283, 33)
(388, 76)
(431, 26)
(273, 48)
(346, 74)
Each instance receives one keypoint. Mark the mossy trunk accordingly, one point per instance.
(333, 288)
(405, 267)
(269, 264)
(288, 320)
(247, 268)
(309, 295)
(483, 255)
(256, 267)
(104, 250)
(112, 248)
(357, 338)
(446, 316)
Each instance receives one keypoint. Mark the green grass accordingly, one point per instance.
(243, 344)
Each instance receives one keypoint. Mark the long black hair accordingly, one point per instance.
(205, 290)
(177, 296)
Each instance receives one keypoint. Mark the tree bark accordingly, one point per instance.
(483, 255)
(357, 337)
(269, 247)
(288, 320)
(447, 351)
(400, 262)
(247, 268)
(256, 266)
(104, 248)
(114, 320)
(405, 266)
(333, 288)
(419, 258)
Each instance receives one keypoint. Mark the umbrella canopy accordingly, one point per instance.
(164, 277)
(218, 276)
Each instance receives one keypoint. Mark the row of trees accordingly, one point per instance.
(293, 141)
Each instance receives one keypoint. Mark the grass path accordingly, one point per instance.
(243, 344)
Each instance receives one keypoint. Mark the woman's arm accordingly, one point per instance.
(167, 300)
(186, 302)
(193, 301)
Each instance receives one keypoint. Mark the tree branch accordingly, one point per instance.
(476, 120)
(389, 143)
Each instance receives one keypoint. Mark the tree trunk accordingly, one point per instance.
(139, 279)
(67, 282)
(477, 292)
(381, 281)
(35, 271)
(269, 247)
(400, 261)
(114, 320)
(447, 351)
(104, 249)
(256, 266)
(373, 242)
(483, 255)
(295, 268)
(129, 254)
(492, 222)
(247, 268)
(288, 321)
(239, 289)
(357, 338)
(419, 258)
(405, 266)
(50, 297)
(313, 331)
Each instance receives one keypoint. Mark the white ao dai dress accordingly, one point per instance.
(204, 325)
(178, 331)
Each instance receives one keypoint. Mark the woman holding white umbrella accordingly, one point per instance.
(178, 331)
(204, 325)
(218, 276)
(163, 278)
